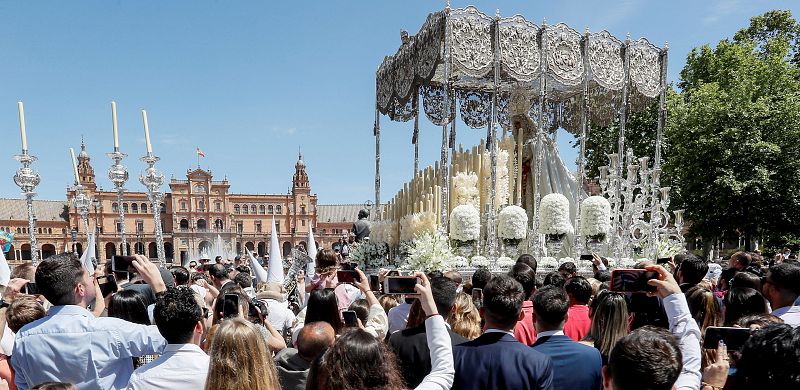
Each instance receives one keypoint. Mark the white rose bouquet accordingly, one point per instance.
(465, 223)
(554, 215)
(370, 254)
(430, 252)
(595, 217)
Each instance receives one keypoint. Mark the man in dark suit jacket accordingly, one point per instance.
(496, 360)
(411, 345)
(575, 366)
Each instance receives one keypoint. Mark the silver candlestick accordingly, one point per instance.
(82, 202)
(27, 179)
(152, 179)
(118, 174)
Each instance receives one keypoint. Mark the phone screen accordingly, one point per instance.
(587, 257)
(632, 280)
(374, 283)
(230, 307)
(350, 318)
(108, 284)
(477, 294)
(734, 338)
(30, 289)
(121, 263)
(663, 260)
(348, 276)
(400, 284)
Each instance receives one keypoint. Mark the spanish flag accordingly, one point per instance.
(200, 153)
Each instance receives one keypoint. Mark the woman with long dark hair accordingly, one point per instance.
(742, 301)
(129, 305)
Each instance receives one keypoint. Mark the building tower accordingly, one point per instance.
(85, 170)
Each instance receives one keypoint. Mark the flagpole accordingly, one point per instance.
(198, 158)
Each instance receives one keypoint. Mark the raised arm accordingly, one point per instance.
(442, 366)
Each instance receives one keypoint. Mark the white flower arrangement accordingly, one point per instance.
(431, 252)
(370, 254)
(501, 193)
(554, 215)
(612, 262)
(669, 247)
(479, 261)
(566, 259)
(460, 262)
(465, 188)
(377, 231)
(465, 223)
(505, 262)
(595, 216)
(548, 263)
(417, 224)
(512, 223)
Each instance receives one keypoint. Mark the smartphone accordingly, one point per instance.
(663, 260)
(350, 318)
(400, 285)
(230, 306)
(30, 289)
(587, 257)
(121, 263)
(347, 266)
(348, 276)
(374, 283)
(477, 294)
(108, 284)
(734, 338)
(632, 280)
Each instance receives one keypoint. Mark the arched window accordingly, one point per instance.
(253, 209)
(278, 210)
(262, 209)
(201, 205)
(217, 206)
(115, 207)
(270, 209)
(183, 205)
(144, 207)
(125, 208)
(245, 209)
(218, 224)
(184, 224)
(303, 210)
(134, 208)
(201, 224)
(236, 209)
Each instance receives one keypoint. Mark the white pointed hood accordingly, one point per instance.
(312, 253)
(275, 271)
(258, 270)
(5, 270)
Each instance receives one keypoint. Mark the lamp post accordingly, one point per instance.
(74, 235)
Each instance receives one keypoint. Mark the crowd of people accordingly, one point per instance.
(217, 327)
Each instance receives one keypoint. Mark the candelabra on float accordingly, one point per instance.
(27, 179)
(81, 202)
(118, 174)
(152, 179)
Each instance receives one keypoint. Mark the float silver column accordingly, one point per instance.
(152, 179)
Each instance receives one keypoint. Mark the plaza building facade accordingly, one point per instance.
(197, 214)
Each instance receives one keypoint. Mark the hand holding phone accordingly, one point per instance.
(400, 285)
(633, 280)
(734, 338)
(348, 276)
(108, 284)
(30, 288)
(374, 283)
(350, 318)
(121, 263)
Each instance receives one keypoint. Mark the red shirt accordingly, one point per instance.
(525, 331)
(578, 322)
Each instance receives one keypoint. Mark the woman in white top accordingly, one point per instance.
(359, 361)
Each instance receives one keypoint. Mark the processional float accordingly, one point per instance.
(529, 80)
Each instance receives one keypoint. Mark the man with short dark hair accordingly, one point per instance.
(740, 260)
(293, 364)
(220, 275)
(578, 322)
(528, 260)
(411, 345)
(575, 366)
(525, 331)
(652, 358)
(183, 365)
(567, 269)
(691, 271)
(496, 360)
(181, 276)
(770, 359)
(481, 277)
(782, 288)
(70, 344)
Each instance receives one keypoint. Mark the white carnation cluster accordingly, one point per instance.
(554, 214)
(479, 261)
(370, 253)
(465, 188)
(465, 223)
(548, 263)
(417, 224)
(512, 223)
(595, 216)
(505, 262)
(501, 193)
(430, 252)
(459, 262)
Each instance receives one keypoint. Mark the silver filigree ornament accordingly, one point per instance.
(475, 108)
(645, 67)
(427, 46)
(564, 57)
(433, 103)
(519, 48)
(383, 86)
(471, 49)
(605, 60)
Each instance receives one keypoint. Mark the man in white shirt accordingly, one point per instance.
(280, 316)
(782, 289)
(398, 317)
(183, 365)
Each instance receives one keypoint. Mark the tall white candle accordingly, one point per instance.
(22, 133)
(74, 165)
(114, 124)
(147, 133)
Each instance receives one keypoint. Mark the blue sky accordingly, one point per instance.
(251, 81)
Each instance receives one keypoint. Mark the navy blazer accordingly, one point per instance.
(575, 366)
(498, 361)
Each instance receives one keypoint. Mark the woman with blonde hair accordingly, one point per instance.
(609, 314)
(465, 319)
(240, 359)
(704, 307)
